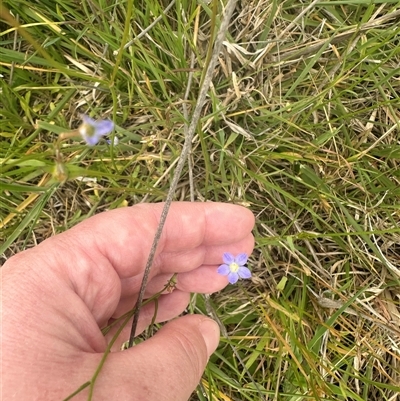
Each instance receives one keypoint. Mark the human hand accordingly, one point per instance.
(58, 295)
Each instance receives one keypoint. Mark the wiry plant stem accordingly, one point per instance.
(182, 159)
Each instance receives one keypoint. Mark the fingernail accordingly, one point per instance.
(210, 332)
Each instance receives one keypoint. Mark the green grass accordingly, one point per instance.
(301, 125)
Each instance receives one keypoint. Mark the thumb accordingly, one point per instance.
(168, 366)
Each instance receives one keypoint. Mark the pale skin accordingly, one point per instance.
(58, 295)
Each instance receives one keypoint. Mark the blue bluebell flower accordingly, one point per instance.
(233, 267)
(92, 131)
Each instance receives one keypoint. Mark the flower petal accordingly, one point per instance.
(224, 270)
(244, 272)
(91, 140)
(233, 277)
(228, 258)
(241, 259)
(103, 127)
(88, 120)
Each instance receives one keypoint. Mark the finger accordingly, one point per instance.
(188, 262)
(125, 236)
(203, 280)
(166, 367)
(168, 307)
(195, 280)
(172, 262)
(115, 245)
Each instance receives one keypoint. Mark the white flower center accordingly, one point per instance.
(86, 130)
(234, 267)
